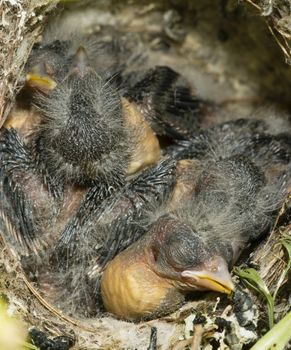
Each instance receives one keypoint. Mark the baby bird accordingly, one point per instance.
(99, 124)
(83, 138)
(220, 204)
(88, 135)
(32, 221)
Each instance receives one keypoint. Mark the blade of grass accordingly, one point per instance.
(278, 337)
(254, 280)
(29, 346)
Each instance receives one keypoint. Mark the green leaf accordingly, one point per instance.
(277, 338)
(29, 346)
(254, 280)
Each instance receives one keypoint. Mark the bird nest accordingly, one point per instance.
(233, 53)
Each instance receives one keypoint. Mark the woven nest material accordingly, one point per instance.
(278, 20)
(234, 55)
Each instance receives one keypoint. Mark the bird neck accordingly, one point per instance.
(132, 290)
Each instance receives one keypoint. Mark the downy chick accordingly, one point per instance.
(89, 135)
(31, 222)
(220, 204)
(83, 138)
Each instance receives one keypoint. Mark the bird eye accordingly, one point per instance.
(184, 249)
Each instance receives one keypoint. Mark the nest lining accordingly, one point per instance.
(227, 61)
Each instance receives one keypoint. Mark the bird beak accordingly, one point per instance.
(43, 83)
(212, 276)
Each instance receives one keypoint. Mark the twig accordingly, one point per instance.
(255, 5)
(38, 296)
(286, 53)
(153, 339)
(180, 345)
(197, 337)
(52, 309)
(194, 342)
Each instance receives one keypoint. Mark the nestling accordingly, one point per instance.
(33, 221)
(220, 205)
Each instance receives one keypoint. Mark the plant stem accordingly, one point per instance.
(278, 337)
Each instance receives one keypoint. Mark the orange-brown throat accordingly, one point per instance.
(147, 148)
(129, 287)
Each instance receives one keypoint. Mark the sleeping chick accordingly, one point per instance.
(32, 220)
(89, 134)
(221, 203)
(81, 141)
(83, 138)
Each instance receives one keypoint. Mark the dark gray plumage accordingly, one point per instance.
(221, 203)
(32, 220)
(87, 135)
